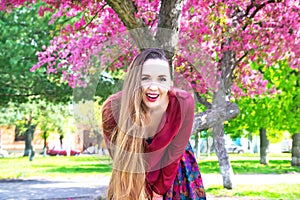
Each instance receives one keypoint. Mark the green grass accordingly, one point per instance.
(60, 166)
(94, 166)
(249, 164)
(274, 191)
(20, 167)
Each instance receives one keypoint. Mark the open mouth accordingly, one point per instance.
(152, 97)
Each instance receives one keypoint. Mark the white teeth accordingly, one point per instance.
(152, 95)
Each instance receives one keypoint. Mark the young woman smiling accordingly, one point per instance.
(147, 128)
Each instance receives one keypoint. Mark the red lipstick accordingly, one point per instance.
(152, 97)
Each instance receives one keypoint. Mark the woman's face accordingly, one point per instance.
(156, 81)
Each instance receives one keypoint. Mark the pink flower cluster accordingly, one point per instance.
(98, 40)
(267, 30)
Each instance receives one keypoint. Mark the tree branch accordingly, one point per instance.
(249, 7)
(241, 58)
(94, 17)
(212, 117)
(258, 8)
(138, 29)
(203, 101)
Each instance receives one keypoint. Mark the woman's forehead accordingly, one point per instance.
(156, 66)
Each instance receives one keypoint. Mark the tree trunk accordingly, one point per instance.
(45, 139)
(221, 96)
(169, 26)
(209, 141)
(29, 133)
(219, 143)
(136, 26)
(223, 158)
(250, 139)
(211, 145)
(196, 148)
(296, 150)
(61, 137)
(45, 143)
(264, 144)
(99, 140)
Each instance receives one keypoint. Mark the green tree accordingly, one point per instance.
(31, 98)
(271, 115)
(22, 34)
(30, 115)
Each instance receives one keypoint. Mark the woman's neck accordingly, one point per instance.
(155, 118)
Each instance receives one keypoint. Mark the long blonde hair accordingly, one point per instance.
(128, 180)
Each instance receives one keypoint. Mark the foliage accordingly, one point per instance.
(37, 95)
(22, 34)
(256, 29)
(49, 117)
(276, 112)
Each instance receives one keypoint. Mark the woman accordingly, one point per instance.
(147, 128)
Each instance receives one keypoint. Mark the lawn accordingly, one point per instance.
(56, 166)
(272, 191)
(249, 164)
(93, 166)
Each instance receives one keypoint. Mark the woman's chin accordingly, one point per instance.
(151, 105)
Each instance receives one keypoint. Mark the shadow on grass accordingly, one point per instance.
(91, 168)
(251, 167)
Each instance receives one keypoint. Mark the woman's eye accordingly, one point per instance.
(162, 79)
(145, 78)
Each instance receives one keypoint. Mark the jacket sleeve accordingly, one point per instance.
(108, 121)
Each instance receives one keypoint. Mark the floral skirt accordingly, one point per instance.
(188, 182)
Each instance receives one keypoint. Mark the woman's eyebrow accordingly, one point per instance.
(158, 75)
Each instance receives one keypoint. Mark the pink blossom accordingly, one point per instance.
(272, 34)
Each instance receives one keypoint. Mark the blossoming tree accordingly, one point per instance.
(211, 43)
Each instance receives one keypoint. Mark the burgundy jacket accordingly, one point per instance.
(166, 148)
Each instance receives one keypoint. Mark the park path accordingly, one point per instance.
(95, 187)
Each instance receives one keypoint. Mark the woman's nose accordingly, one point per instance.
(153, 86)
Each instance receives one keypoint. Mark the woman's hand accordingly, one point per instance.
(157, 196)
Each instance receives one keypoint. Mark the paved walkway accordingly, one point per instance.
(53, 189)
(95, 188)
